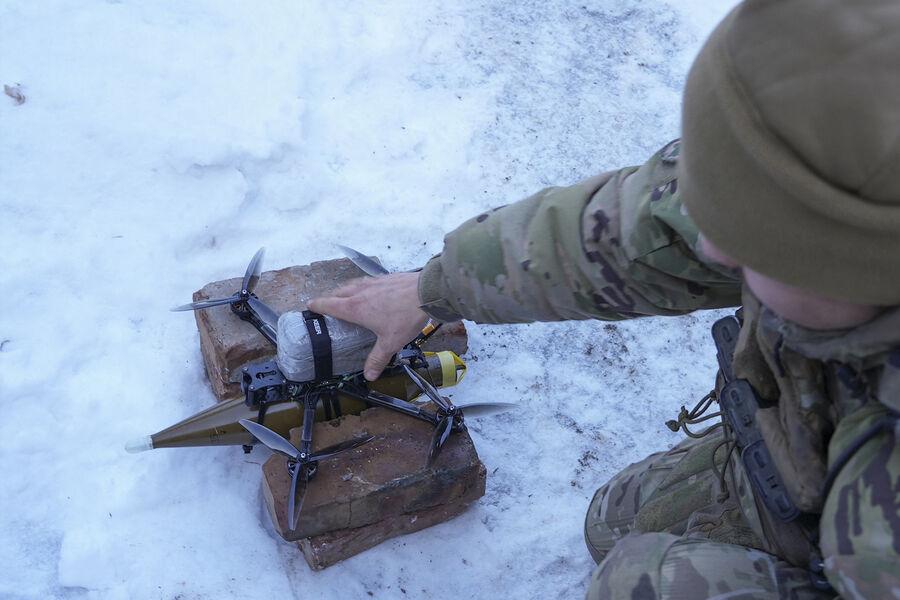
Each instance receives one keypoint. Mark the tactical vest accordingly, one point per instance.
(807, 384)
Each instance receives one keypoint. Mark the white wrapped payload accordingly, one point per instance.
(350, 345)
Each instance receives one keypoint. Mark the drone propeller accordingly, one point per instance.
(208, 303)
(275, 442)
(448, 412)
(251, 276)
(266, 314)
(243, 303)
(441, 433)
(303, 466)
(366, 264)
(295, 506)
(300, 462)
(484, 409)
(334, 450)
(427, 388)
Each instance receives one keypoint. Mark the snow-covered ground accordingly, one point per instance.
(161, 143)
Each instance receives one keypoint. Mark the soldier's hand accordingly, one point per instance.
(387, 305)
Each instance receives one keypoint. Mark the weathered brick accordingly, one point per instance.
(379, 482)
(227, 343)
(327, 549)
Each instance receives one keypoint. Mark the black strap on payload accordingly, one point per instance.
(321, 344)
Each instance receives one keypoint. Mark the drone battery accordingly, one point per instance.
(350, 345)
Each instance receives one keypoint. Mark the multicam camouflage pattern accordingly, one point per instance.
(675, 492)
(663, 566)
(861, 520)
(620, 245)
(526, 261)
(824, 390)
(680, 493)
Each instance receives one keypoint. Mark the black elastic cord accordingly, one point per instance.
(321, 344)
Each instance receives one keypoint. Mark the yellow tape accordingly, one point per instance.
(448, 369)
(462, 368)
(453, 369)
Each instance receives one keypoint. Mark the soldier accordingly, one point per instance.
(788, 165)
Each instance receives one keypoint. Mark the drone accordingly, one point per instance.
(265, 384)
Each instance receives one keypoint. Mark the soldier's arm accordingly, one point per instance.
(860, 525)
(615, 246)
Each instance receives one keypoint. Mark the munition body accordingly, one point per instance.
(219, 425)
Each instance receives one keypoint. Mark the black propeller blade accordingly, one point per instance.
(301, 467)
(366, 264)
(483, 409)
(208, 303)
(447, 412)
(275, 442)
(300, 471)
(441, 433)
(331, 451)
(473, 409)
(251, 276)
(427, 388)
(266, 314)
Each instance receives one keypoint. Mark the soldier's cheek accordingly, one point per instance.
(711, 252)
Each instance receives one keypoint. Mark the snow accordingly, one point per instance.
(160, 144)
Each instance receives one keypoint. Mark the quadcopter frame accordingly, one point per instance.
(264, 384)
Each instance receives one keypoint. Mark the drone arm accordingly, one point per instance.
(389, 402)
(268, 332)
(260, 315)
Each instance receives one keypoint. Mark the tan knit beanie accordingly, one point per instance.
(790, 156)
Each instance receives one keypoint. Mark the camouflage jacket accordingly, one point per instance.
(620, 245)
